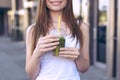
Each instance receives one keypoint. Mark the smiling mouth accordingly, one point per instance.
(56, 3)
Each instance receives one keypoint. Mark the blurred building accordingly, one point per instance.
(103, 16)
(104, 36)
(5, 5)
(15, 16)
(20, 17)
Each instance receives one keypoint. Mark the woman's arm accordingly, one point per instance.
(81, 57)
(82, 61)
(32, 61)
(44, 44)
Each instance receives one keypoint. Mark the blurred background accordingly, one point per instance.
(102, 16)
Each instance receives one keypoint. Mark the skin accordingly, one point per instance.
(80, 56)
(50, 42)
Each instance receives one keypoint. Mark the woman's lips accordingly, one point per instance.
(56, 3)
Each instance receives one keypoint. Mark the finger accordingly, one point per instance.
(49, 49)
(51, 40)
(47, 41)
(69, 53)
(70, 49)
(46, 37)
(68, 56)
(50, 45)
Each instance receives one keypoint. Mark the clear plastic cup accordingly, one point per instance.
(62, 36)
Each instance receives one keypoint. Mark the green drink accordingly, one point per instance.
(61, 44)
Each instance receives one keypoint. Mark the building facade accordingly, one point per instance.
(5, 5)
(21, 16)
(104, 36)
(118, 43)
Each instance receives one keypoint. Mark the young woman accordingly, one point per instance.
(72, 59)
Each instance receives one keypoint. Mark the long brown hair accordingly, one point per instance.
(43, 21)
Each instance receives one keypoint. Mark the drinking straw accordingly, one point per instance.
(59, 21)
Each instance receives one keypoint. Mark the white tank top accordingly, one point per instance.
(58, 68)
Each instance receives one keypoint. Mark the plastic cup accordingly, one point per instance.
(61, 35)
(61, 44)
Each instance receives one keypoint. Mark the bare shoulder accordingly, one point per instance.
(29, 31)
(85, 30)
(84, 26)
(30, 28)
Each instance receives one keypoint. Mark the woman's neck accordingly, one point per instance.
(54, 15)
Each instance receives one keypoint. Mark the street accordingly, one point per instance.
(12, 60)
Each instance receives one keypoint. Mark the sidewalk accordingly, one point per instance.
(12, 63)
(12, 60)
(95, 73)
